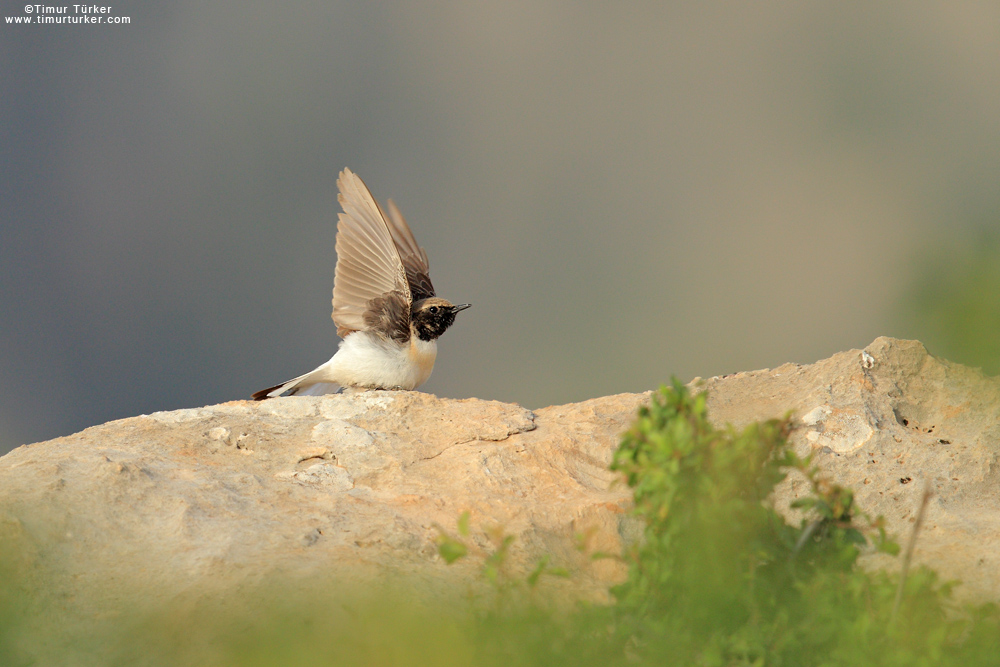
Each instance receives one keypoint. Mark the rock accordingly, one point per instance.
(359, 485)
(339, 487)
(889, 421)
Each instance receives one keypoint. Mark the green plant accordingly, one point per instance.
(721, 579)
(494, 569)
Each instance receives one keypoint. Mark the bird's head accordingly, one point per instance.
(431, 317)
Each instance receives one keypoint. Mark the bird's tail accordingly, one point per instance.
(303, 385)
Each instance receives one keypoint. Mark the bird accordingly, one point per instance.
(384, 304)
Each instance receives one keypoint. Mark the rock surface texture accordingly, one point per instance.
(353, 486)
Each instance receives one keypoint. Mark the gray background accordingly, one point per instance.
(624, 191)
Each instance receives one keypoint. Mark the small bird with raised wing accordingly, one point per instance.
(384, 304)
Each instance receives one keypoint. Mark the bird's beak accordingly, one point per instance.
(461, 306)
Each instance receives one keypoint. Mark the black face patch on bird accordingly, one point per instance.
(430, 318)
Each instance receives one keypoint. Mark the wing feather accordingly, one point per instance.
(368, 262)
(413, 257)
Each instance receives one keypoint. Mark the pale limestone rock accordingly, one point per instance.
(885, 421)
(353, 486)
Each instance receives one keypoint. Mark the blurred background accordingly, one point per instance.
(624, 192)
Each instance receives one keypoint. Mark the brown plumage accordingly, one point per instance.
(384, 304)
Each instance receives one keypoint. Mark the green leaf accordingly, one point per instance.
(450, 549)
(463, 524)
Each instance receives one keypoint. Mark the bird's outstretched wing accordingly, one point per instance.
(414, 257)
(370, 274)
